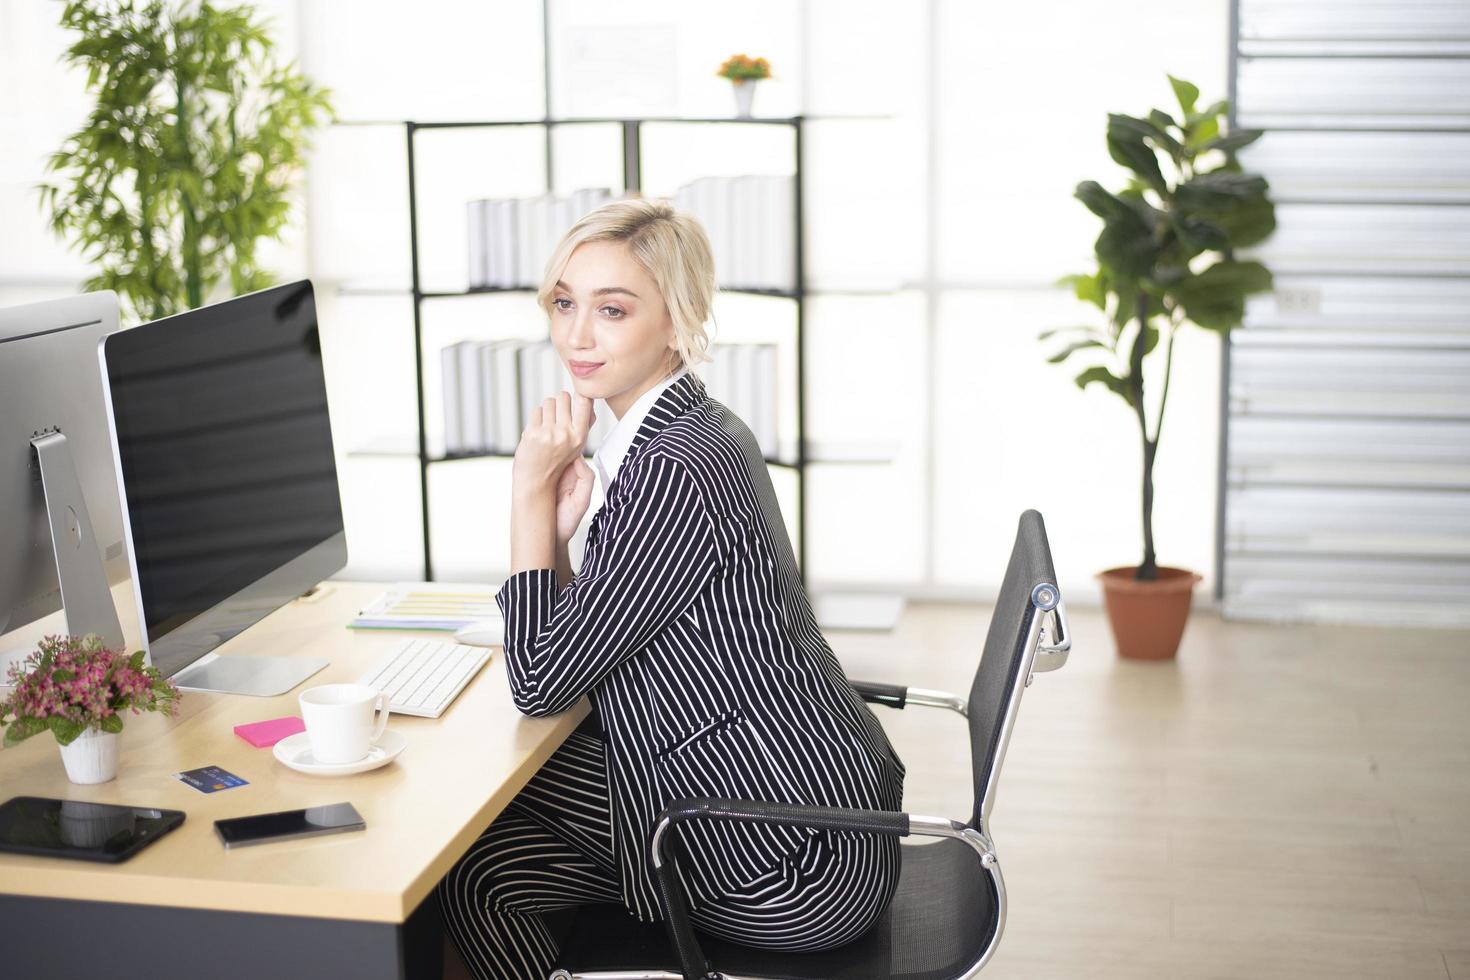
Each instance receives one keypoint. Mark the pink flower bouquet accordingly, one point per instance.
(71, 684)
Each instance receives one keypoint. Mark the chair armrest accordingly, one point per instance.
(692, 961)
(1052, 653)
(876, 692)
(899, 696)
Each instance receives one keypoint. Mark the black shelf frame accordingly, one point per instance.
(632, 153)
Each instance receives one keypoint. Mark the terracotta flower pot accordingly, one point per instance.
(1147, 618)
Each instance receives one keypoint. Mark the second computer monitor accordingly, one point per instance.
(229, 478)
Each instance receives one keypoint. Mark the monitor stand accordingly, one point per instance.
(86, 597)
(261, 677)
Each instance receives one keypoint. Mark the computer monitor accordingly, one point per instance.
(219, 426)
(61, 535)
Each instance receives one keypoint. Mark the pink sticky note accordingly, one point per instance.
(262, 734)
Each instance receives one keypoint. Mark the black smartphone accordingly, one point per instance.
(83, 831)
(313, 821)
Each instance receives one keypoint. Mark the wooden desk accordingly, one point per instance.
(335, 906)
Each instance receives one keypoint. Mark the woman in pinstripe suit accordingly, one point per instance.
(688, 629)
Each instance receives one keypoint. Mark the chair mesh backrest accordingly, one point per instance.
(1005, 650)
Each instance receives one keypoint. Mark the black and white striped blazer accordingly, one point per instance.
(690, 631)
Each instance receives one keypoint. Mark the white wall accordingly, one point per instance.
(946, 367)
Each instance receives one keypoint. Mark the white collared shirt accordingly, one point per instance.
(609, 455)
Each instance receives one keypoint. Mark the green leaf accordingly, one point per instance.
(1055, 331)
(1198, 235)
(65, 730)
(1127, 247)
(1186, 93)
(63, 675)
(1217, 190)
(1167, 142)
(1215, 298)
(135, 662)
(1248, 222)
(1162, 119)
(1201, 132)
(1098, 200)
(23, 728)
(112, 723)
(1126, 145)
(1071, 349)
(1249, 277)
(1233, 140)
(1165, 275)
(1213, 110)
(1101, 375)
(1090, 289)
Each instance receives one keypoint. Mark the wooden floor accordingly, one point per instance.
(1280, 802)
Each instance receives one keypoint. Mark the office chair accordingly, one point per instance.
(949, 910)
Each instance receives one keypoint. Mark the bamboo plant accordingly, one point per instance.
(1166, 257)
(189, 155)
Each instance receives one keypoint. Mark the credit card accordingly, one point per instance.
(210, 779)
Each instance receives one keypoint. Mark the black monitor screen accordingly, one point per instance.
(225, 448)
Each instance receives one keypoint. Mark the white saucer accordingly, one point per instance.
(294, 751)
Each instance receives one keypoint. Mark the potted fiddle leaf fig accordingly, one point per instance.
(1166, 258)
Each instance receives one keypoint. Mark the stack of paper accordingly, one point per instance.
(429, 606)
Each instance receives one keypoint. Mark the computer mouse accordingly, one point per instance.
(485, 633)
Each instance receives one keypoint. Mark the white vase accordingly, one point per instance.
(744, 93)
(91, 757)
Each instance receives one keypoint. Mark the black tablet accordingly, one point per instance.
(85, 831)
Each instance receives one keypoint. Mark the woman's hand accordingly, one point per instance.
(550, 451)
(573, 494)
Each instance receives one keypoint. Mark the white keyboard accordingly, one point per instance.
(423, 676)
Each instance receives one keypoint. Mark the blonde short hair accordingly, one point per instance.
(670, 245)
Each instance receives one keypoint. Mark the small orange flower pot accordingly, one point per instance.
(1147, 618)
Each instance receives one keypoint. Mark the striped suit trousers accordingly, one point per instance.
(552, 849)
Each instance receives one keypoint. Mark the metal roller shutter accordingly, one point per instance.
(1346, 415)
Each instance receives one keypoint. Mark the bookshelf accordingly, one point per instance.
(860, 611)
(796, 459)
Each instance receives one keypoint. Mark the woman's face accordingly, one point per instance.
(610, 325)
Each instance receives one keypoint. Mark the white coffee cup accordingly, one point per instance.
(340, 723)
